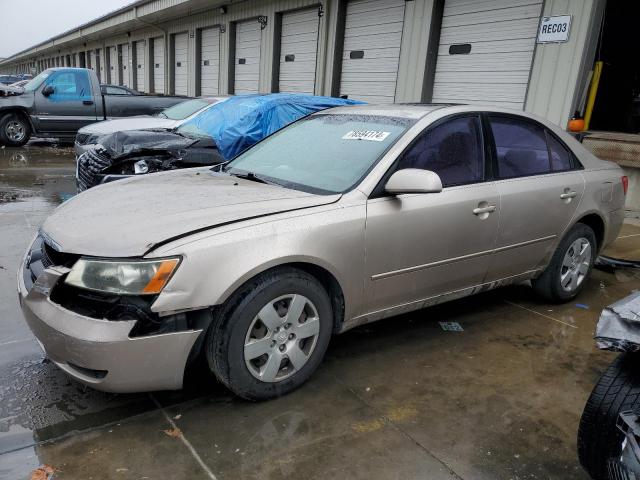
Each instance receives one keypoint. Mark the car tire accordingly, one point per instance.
(569, 268)
(15, 130)
(617, 391)
(258, 331)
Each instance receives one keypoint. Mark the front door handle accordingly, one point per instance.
(568, 194)
(87, 102)
(487, 209)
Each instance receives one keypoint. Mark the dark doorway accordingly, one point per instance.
(617, 106)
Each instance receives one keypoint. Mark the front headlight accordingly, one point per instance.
(124, 277)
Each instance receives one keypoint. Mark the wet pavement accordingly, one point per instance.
(398, 399)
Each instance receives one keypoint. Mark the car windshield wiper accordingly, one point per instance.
(251, 176)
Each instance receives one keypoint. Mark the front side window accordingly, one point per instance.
(70, 85)
(322, 153)
(521, 147)
(452, 149)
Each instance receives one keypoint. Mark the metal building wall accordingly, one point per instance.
(556, 80)
(559, 69)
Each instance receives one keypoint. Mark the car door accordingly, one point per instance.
(420, 246)
(70, 107)
(540, 187)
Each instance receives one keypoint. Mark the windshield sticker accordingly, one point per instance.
(371, 135)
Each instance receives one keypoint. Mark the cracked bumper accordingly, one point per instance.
(100, 353)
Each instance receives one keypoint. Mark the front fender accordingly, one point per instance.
(216, 263)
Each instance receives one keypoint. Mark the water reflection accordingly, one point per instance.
(34, 174)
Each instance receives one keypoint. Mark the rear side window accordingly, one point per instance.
(521, 147)
(452, 149)
(560, 156)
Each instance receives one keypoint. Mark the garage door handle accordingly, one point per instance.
(87, 102)
(566, 195)
(481, 210)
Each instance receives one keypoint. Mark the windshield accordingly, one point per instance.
(323, 153)
(35, 82)
(182, 110)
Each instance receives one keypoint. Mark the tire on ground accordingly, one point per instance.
(617, 390)
(14, 117)
(548, 283)
(224, 345)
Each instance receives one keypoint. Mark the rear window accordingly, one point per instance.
(182, 110)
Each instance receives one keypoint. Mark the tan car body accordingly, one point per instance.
(379, 256)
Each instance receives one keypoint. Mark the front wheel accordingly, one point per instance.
(570, 266)
(271, 335)
(15, 130)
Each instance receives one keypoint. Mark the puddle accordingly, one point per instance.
(35, 173)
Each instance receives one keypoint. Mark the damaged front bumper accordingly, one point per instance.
(619, 326)
(100, 353)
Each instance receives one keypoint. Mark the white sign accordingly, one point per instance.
(371, 135)
(554, 29)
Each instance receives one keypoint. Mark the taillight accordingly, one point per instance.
(625, 184)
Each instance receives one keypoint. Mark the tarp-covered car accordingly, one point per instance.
(213, 136)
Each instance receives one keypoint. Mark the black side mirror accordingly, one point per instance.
(48, 90)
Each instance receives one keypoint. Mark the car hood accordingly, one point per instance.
(129, 123)
(130, 217)
(120, 145)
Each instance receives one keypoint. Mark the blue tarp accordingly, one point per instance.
(239, 122)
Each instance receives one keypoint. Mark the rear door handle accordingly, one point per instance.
(87, 102)
(566, 195)
(487, 209)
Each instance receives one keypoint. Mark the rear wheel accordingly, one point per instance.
(15, 130)
(271, 335)
(570, 266)
(617, 390)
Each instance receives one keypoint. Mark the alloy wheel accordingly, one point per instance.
(281, 338)
(15, 130)
(575, 264)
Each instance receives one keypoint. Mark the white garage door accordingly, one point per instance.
(298, 51)
(140, 65)
(486, 51)
(113, 65)
(247, 58)
(209, 61)
(158, 65)
(124, 49)
(180, 65)
(372, 39)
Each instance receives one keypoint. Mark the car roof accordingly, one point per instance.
(416, 111)
(398, 110)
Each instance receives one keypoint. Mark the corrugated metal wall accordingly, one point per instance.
(559, 70)
(555, 81)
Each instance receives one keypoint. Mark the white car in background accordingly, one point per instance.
(168, 119)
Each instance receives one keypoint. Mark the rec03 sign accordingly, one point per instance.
(554, 29)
